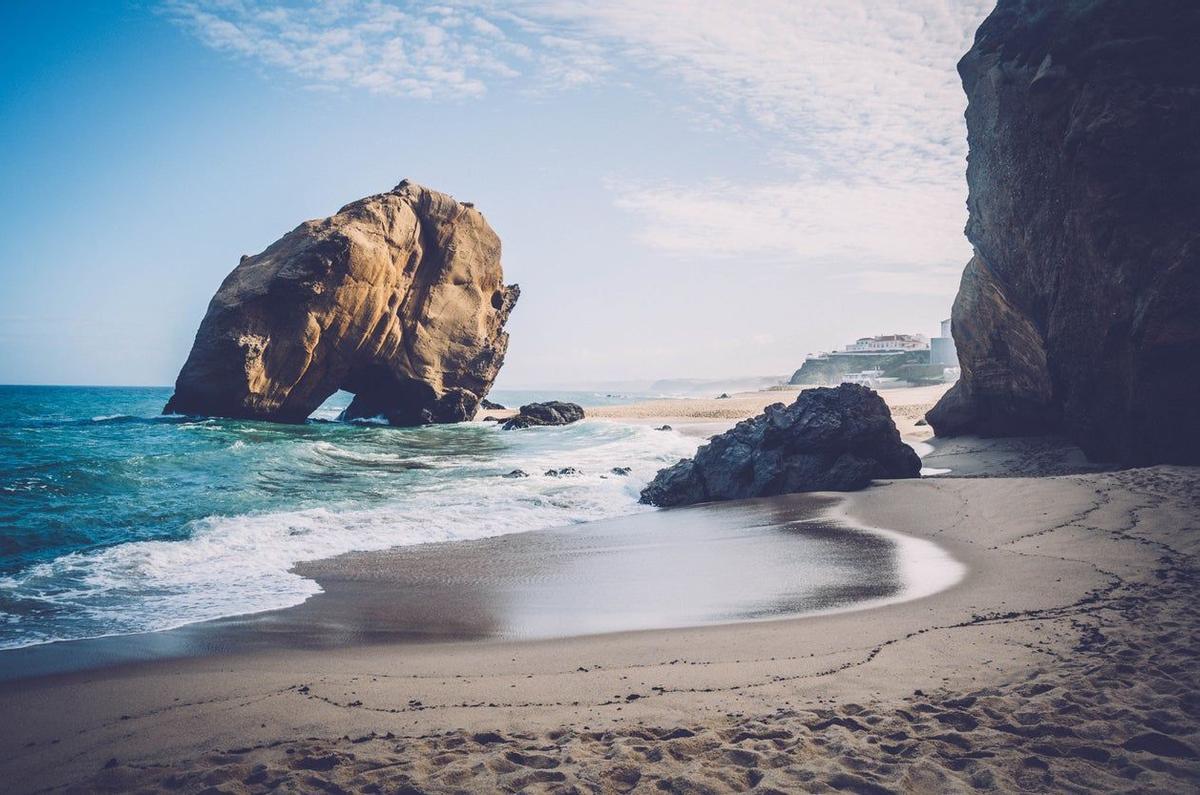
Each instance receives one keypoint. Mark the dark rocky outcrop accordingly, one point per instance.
(1080, 311)
(398, 298)
(552, 412)
(490, 405)
(829, 439)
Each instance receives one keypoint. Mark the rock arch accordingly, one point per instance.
(398, 298)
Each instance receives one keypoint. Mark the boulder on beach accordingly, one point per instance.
(399, 298)
(1079, 313)
(829, 439)
(552, 412)
(490, 405)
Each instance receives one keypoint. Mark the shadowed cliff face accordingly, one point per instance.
(399, 298)
(1080, 311)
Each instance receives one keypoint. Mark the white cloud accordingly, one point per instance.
(421, 52)
(806, 223)
(869, 85)
(855, 103)
(939, 280)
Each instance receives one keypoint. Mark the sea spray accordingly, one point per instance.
(136, 523)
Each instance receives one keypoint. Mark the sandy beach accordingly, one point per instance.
(706, 416)
(267, 265)
(1063, 661)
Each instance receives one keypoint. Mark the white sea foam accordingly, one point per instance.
(231, 565)
(340, 454)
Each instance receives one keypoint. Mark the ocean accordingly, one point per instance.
(115, 519)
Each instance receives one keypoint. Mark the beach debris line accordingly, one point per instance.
(398, 298)
(552, 412)
(829, 439)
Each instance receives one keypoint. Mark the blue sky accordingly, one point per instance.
(682, 188)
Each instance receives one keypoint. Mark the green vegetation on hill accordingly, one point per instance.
(833, 368)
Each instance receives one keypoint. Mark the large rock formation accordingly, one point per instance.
(837, 439)
(398, 298)
(1080, 311)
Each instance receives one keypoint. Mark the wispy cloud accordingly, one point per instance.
(854, 103)
(826, 223)
(423, 51)
(856, 87)
(939, 280)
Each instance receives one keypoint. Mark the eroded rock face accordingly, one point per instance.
(829, 439)
(552, 412)
(1080, 312)
(398, 298)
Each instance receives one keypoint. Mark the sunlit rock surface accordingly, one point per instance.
(398, 298)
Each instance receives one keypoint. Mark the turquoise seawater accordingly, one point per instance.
(115, 519)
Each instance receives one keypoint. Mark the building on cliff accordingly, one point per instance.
(888, 343)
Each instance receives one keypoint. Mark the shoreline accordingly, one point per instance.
(1060, 661)
(707, 416)
(697, 418)
(1037, 580)
(374, 598)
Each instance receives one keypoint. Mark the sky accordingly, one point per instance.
(683, 188)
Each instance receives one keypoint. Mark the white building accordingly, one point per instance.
(942, 350)
(889, 343)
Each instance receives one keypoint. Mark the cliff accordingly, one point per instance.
(398, 298)
(832, 368)
(1080, 311)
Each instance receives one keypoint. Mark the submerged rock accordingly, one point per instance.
(552, 412)
(829, 439)
(565, 472)
(1080, 311)
(516, 473)
(398, 298)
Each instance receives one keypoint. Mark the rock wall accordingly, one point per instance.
(398, 298)
(1080, 311)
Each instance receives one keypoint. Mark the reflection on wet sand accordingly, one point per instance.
(710, 564)
(705, 565)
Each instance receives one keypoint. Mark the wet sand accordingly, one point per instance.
(717, 564)
(1064, 661)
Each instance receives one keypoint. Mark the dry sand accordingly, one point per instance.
(713, 415)
(1065, 661)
